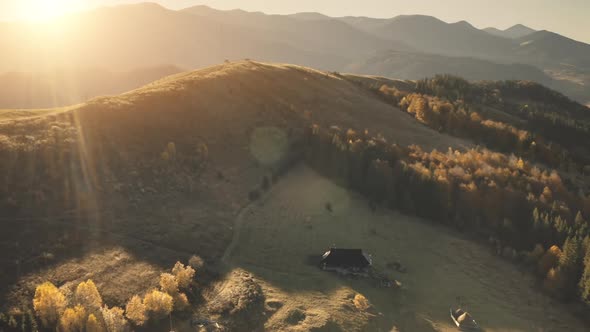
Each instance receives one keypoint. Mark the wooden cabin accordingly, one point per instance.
(346, 261)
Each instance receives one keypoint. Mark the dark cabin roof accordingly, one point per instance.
(346, 258)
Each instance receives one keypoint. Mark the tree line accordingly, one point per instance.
(526, 210)
(550, 132)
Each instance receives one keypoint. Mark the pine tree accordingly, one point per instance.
(581, 225)
(584, 284)
(570, 265)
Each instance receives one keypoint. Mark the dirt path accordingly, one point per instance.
(238, 224)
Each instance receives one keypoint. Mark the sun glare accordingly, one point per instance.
(43, 10)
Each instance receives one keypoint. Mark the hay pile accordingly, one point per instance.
(238, 302)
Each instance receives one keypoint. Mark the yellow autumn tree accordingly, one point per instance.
(158, 304)
(49, 303)
(73, 319)
(135, 311)
(113, 318)
(184, 274)
(168, 284)
(88, 296)
(93, 325)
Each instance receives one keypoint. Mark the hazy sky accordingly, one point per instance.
(568, 17)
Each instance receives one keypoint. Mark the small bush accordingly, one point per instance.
(87, 295)
(158, 304)
(549, 260)
(184, 274)
(537, 252)
(49, 303)
(73, 319)
(553, 282)
(196, 262)
(361, 302)
(135, 311)
(328, 206)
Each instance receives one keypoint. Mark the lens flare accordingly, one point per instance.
(43, 10)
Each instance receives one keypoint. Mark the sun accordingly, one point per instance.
(43, 10)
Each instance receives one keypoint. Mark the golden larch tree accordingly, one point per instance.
(49, 303)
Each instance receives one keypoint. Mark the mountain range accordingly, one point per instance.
(515, 31)
(148, 35)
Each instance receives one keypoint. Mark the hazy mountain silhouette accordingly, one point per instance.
(411, 65)
(515, 31)
(144, 35)
(432, 35)
(546, 47)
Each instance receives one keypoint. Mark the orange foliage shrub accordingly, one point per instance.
(549, 260)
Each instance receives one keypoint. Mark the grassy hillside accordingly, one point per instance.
(135, 182)
(169, 164)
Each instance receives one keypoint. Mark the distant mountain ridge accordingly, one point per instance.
(515, 31)
(412, 65)
(204, 36)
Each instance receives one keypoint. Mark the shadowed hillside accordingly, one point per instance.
(544, 47)
(408, 65)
